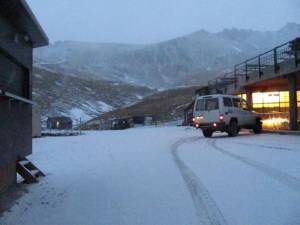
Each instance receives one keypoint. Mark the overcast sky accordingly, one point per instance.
(147, 21)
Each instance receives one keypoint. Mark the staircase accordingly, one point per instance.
(28, 171)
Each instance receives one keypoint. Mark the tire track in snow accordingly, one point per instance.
(270, 147)
(282, 177)
(207, 210)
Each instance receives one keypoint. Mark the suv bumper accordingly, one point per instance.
(218, 126)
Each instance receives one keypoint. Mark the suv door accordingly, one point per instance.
(238, 112)
(248, 115)
(227, 109)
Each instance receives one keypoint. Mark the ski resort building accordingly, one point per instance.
(20, 33)
(270, 82)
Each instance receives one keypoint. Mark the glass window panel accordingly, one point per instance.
(284, 96)
(200, 105)
(211, 104)
(257, 98)
(269, 97)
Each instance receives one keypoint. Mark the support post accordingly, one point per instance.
(246, 71)
(292, 80)
(276, 66)
(249, 99)
(236, 78)
(260, 73)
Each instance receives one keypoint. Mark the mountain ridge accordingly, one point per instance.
(166, 64)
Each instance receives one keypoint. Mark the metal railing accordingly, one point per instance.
(257, 64)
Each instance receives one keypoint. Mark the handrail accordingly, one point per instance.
(269, 58)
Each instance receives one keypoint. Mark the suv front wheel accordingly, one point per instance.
(207, 133)
(233, 129)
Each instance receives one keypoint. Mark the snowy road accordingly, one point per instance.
(166, 175)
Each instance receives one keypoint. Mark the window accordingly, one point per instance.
(277, 99)
(227, 102)
(211, 104)
(200, 105)
(207, 104)
(13, 77)
(245, 105)
(236, 102)
(243, 96)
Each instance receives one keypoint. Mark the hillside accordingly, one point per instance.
(182, 61)
(165, 106)
(58, 94)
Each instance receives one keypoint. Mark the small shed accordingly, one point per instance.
(121, 124)
(144, 120)
(60, 123)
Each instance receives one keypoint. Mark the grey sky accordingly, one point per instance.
(146, 21)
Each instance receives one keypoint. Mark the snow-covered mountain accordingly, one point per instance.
(86, 79)
(186, 60)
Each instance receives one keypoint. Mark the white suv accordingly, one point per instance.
(224, 113)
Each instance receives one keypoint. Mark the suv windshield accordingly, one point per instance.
(207, 104)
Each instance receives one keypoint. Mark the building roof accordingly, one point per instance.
(19, 13)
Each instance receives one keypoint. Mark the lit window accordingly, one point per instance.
(257, 99)
(284, 96)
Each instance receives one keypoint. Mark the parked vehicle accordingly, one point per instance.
(224, 113)
(120, 124)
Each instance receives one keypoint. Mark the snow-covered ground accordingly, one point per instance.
(166, 175)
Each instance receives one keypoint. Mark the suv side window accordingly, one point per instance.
(236, 102)
(245, 105)
(227, 102)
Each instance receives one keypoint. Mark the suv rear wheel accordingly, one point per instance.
(257, 129)
(233, 129)
(207, 133)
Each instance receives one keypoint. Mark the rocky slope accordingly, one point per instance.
(58, 94)
(165, 106)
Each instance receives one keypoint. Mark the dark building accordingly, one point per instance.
(145, 120)
(270, 82)
(20, 33)
(60, 123)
